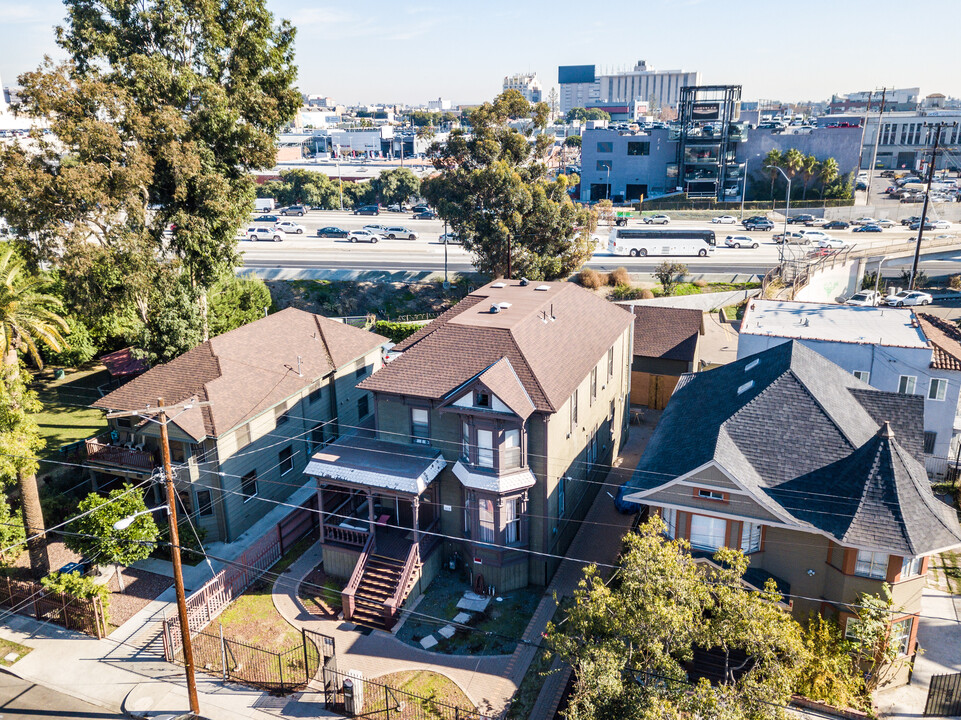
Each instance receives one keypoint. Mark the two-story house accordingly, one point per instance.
(814, 474)
(889, 348)
(492, 430)
(278, 388)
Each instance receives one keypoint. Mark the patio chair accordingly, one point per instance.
(140, 446)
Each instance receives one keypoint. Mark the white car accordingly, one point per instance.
(941, 224)
(885, 223)
(864, 221)
(724, 220)
(739, 241)
(814, 235)
(362, 236)
(830, 242)
(865, 298)
(908, 297)
(816, 222)
(399, 232)
(656, 219)
(289, 226)
(262, 233)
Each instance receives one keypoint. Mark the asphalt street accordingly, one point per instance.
(426, 253)
(23, 700)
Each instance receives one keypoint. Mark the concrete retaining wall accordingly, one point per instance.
(832, 284)
(704, 302)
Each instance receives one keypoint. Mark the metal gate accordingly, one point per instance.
(944, 696)
(326, 666)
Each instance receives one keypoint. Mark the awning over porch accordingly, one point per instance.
(520, 480)
(377, 464)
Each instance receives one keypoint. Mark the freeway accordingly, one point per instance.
(426, 253)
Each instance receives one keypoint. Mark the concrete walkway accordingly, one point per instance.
(939, 635)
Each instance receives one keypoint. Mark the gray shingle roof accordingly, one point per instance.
(666, 333)
(803, 436)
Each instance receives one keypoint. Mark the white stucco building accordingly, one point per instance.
(896, 350)
(526, 84)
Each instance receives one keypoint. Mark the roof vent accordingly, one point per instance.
(745, 387)
(504, 305)
(543, 288)
(753, 364)
(525, 282)
(495, 308)
(498, 285)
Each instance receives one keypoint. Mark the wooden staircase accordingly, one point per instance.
(379, 586)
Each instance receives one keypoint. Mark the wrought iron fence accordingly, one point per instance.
(382, 702)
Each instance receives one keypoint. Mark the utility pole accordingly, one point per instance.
(864, 124)
(927, 197)
(178, 568)
(877, 141)
(508, 257)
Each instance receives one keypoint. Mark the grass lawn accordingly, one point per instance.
(505, 620)
(9, 646)
(949, 565)
(424, 684)
(65, 417)
(526, 696)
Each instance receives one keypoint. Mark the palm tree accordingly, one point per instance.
(28, 316)
(809, 169)
(828, 173)
(771, 161)
(793, 162)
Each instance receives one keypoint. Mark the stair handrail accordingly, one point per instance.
(392, 604)
(347, 595)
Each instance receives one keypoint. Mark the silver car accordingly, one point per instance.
(399, 232)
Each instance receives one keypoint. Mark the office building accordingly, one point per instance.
(438, 104)
(526, 84)
(583, 86)
(906, 137)
(895, 99)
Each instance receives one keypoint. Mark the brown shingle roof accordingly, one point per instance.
(664, 332)
(501, 379)
(945, 339)
(247, 370)
(552, 338)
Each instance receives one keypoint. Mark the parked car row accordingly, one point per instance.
(902, 298)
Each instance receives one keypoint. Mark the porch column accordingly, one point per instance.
(370, 509)
(415, 508)
(320, 509)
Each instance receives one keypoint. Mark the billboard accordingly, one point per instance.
(575, 74)
(706, 111)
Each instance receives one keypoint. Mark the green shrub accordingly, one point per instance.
(394, 331)
(624, 292)
(80, 347)
(589, 279)
(619, 276)
(76, 585)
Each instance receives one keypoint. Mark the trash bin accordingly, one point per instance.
(59, 374)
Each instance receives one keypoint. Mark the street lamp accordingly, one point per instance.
(787, 205)
(128, 521)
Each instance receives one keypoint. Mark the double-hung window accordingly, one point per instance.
(512, 521)
(901, 635)
(707, 533)
(465, 441)
(911, 567)
(938, 389)
(906, 384)
(285, 459)
(512, 449)
(485, 514)
(248, 485)
(420, 426)
(750, 537)
(485, 448)
(871, 564)
(669, 515)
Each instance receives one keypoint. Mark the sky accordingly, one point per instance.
(411, 51)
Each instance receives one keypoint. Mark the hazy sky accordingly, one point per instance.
(410, 52)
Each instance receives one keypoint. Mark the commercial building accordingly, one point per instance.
(492, 430)
(278, 389)
(906, 139)
(438, 104)
(526, 84)
(866, 100)
(583, 86)
(891, 349)
(815, 475)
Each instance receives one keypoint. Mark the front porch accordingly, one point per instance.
(379, 520)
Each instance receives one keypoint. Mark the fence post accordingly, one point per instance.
(280, 539)
(280, 666)
(387, 701)
(307, 675)
(223, 653)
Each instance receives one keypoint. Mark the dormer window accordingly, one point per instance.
(482, 399)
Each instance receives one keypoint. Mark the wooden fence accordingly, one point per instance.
(210, 600)
(29, 598)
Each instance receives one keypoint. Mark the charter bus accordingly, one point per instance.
(641, 242)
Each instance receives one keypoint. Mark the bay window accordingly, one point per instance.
(707, 533)
(512, 449)
(871, 564)
(911, 567)
(512, 521)
(465, 442)
(750, 537)
(485, 515)
(485, 448)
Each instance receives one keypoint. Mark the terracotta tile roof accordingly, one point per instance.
(123, 362)
(945, 339)
(665, 332)
(247, 370)
(552, 337)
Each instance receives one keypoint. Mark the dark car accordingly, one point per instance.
(758, 224)
(860, 185)
(367, 210)
(928, 225)
(867, 228)
(417, 209)
(298, 210)
(425, 215)
(334, 232)
(267, 218)
(911, 220)
(799, 219)
(836, 225)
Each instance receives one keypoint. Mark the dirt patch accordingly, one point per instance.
(58, 553)
(140, 588)
(320, 594)
(428, 687)
(385, 300)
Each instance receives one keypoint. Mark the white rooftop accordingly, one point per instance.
(893, 327)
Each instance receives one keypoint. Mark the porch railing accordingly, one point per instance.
(346, 536)
(348, 593)
(107, 454)
(407, 578)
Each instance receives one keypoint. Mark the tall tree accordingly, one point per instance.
(28, 318)
(396, 186)
(209, 84)
(494, 190)
(809, 170)
(827, 173)
(629, 639)
(772, 161)
(793, 162)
